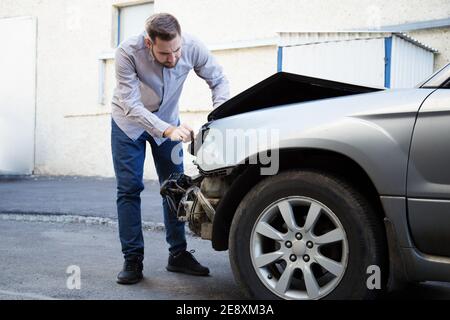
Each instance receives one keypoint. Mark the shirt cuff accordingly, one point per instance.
(159, 128)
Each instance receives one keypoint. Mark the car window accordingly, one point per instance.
(439, 79)
(447, 84)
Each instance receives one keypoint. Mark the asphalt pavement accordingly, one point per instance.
(51, 225)
(72, 195)
(35, 257)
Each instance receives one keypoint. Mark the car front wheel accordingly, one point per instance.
(306, 235)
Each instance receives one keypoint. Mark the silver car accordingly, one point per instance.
(344, 192)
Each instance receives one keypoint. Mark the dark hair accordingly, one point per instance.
(163, 26)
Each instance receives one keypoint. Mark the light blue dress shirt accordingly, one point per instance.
(147, 93)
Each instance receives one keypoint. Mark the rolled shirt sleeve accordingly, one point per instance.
(129, 95)
(207, 68)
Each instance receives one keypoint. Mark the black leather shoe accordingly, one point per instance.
(131, 272)
(185, 262)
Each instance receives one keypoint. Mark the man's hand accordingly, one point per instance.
(181, 133)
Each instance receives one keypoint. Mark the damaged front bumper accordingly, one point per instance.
(194, 200)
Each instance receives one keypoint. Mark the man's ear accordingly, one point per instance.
(148, 42)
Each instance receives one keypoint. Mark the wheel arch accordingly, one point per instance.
(246, 176)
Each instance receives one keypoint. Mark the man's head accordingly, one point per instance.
(164, 39)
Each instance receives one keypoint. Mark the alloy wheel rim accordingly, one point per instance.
(299, 262)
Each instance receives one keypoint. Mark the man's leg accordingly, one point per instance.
(128, 159)
(165, 166)
(168, 159)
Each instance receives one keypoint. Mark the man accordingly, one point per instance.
(150, 71)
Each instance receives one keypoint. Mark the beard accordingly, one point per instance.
(165, 64)
(169, 65)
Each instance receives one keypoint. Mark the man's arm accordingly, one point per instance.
(207, 68)
(130, 96)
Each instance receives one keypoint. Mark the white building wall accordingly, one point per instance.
(232, 20)
(72, 128)
(439, 39)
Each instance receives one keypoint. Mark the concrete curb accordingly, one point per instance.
(89, 220)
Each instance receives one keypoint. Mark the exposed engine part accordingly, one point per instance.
(197, 197)
(206, 232)
(214, 187)
(174, 188)
(188, 202)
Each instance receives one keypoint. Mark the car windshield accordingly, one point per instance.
(439, 78)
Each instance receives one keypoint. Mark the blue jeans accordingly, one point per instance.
(128, 159)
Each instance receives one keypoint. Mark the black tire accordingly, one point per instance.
(364, 230)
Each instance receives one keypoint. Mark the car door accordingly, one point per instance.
(428, 184)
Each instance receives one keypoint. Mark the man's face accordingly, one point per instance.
(166, 53)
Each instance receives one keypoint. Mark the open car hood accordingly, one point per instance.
(285, 88)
